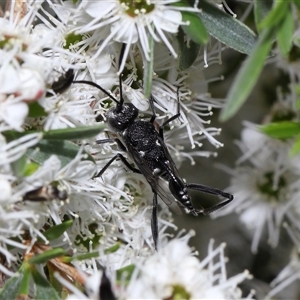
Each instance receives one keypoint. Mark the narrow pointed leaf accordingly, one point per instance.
(113, 248)
(297, 3)
(261, 10)
(65, 151)
(196, 29)
(187, 52)
(76, 133)
(247, 76)
(85, 256)
(285, 32)
(43, 289)
(25, 285)
(46, 256)
(125, 272)
(11, 288)
(281, 130)
(295, 147)
(19, 166)
(35, 110)
(227, 29)
(275, 16)
(57, 230)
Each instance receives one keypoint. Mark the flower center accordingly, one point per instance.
(136, 7)
(179, 293)
(266, 186)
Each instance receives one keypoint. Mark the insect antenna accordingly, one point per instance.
(120, 104)
(100, 88)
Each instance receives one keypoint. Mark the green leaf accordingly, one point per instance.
(85, 256)
(46, 256)
(31, 167)
(65, 151)
(113, 248)
(278, 12)
(247, 76)
(25, 285)
(261, 9)
(285, 32)
(11, 288)
(43, 289)
(295, 149)
(187, 52)
(227, 29)
(23, 167)
(57, 230)
(196, 29)
(125, 272)
(19, 166)
(35, 110)
(297, 3)
(281, 130)
(148, 74)
(77, 133)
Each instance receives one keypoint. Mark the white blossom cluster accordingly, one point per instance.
(265, 184)
(265, 180)
(174, 273)
(38, 45)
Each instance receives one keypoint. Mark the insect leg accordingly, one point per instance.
(154, 227)
(113, 140)
(120, 76)
(213, 191)
(161, 128)
(125, 162)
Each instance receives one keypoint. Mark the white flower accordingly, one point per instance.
(175, 272)
(266, 190)
(12, 220)
(132, 21)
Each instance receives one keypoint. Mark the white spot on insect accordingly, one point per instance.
(157, 143)
(156, 171)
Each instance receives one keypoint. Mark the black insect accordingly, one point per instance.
(144, 142)
(46, 193)
(64, 81)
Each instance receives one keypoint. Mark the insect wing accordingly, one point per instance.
(165, 195)
(158, 184)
